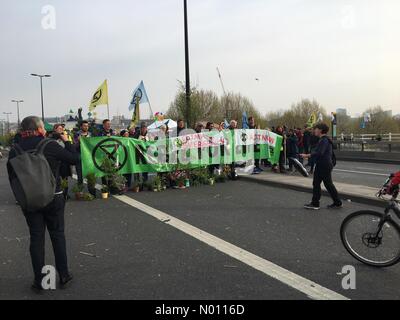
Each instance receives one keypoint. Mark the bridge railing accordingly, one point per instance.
(369, 146)
(389, 137)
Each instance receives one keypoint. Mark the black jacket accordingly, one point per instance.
(54, 153)
(292, 149)
(323, 154)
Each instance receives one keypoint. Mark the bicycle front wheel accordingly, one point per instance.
(362, 238)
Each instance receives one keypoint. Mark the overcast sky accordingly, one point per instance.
(343, 53)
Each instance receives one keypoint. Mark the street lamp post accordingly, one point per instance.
(2, 126)
(8, 121)
(187, 66)
(41, 88)
(18, 102)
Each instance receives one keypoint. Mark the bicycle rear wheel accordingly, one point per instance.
(360, 237)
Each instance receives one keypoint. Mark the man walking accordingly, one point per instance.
(323, 156)
(52, 216)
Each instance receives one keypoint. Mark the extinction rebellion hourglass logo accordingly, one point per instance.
(113, 150)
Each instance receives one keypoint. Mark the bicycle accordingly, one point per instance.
(371, 237)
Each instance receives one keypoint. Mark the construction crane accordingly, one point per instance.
(222, 83)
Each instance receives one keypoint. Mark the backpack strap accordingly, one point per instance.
(42, 145)
(18, 150)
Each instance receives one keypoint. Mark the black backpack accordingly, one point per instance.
(334, 160)
(34, 184)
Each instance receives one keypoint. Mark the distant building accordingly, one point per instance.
(341, 111)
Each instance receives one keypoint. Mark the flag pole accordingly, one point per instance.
(151, 110)
(108, 111)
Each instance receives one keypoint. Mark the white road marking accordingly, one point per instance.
(375, 169)
(310, 288)
(363, 172)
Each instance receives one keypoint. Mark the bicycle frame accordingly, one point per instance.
(393, 206)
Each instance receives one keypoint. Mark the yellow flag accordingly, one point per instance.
(313, 120)
(100, 97)
(136, 114)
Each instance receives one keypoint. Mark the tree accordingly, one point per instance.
(206, 106)
(381, 122)
(234, 105)
(298, 115)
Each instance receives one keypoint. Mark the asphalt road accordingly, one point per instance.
(364, 173)
(140, 257)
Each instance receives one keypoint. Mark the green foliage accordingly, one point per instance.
(91, 180)
(298, 115)
(7, 140)
(105, 189)
(157, 184)
(221, 178)
(114, 180)
(148, 186)
(64, 184)
(199, 177)
(137, 183)
(78, 188)
(118, 182)
(88, 197)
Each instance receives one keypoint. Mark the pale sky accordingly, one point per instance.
(343, 53)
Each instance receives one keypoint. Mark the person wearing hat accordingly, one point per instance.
(124, 134)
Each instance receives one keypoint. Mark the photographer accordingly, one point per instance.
(65, 168)
(52, 216)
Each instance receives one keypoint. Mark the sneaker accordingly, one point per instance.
(65, 281)
(37, 287)
(336, 206)
(311, 206)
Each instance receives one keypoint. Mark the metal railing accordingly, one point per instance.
(389, 137)
(369, 146)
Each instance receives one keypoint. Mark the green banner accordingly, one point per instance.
(167, 155)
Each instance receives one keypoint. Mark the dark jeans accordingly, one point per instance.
(51, 217)
(282, 162)
(324, 174)
(79, 173)
(145, 177)
(128, 178)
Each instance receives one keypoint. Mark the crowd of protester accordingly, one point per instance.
(296, 141)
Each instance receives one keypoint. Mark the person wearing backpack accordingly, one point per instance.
(325, 160)
(33, 169)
